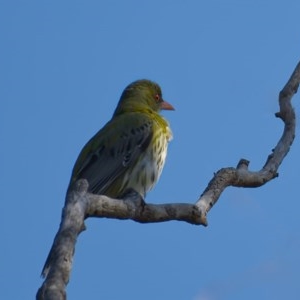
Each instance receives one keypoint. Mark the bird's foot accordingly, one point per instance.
(133, 196)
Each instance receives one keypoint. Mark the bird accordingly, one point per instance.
(129, 152)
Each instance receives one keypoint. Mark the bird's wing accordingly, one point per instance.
(113, 150)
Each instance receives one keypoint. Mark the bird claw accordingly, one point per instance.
(134, 197)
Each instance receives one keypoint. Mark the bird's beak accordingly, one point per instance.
(166, 106)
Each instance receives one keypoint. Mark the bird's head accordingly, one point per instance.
(142, 95)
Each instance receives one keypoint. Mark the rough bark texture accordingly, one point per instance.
(80, 205)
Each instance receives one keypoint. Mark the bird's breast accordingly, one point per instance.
(148, 168)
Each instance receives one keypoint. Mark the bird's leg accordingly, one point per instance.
(132, 195)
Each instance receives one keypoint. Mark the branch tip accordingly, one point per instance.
(243, 164)
(81, 186)
(204, 222)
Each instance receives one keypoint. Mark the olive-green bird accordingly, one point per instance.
(129, 152)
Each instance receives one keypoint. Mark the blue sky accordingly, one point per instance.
(221, 64)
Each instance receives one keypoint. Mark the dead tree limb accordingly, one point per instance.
(80, 204)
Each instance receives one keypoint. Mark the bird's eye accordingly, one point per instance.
(157, 98)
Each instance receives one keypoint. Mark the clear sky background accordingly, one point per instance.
(221, 64)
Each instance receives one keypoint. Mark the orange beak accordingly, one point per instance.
(166, 106)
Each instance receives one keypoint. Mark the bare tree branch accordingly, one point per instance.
(241, 176)
(80, 204)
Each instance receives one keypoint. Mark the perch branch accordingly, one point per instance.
(80, 204)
